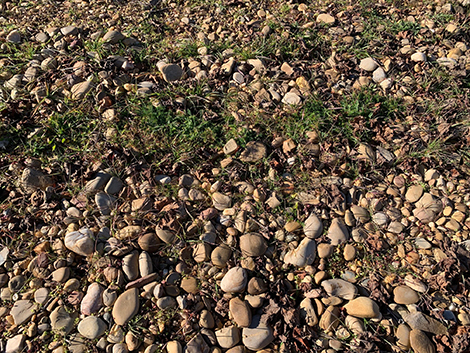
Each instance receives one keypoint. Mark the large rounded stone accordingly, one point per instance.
(405, 295)
(93, 300)
(339, 288)
(234, 281)
(313, 226)
(149, 242)
(220, 255)
(363, 307)
(92, 327)
(240, 311)
(253, 244)
(80, 242)
(420, 342)
(338, 233)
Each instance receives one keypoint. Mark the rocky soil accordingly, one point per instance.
(234, 176)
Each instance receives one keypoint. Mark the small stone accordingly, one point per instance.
(61, 321)
(69, 31)
(368, 64)
(92, 327)
(234, 281)
(92, 301)
(308, 312)
(291, 98)
(325, 18)
(405, 295)
(349, 252)
(105, 203)
(171, 347)
(149, 242)
(130, 265)
(80, 89)
(403, 336)
(329, 320)
(165, 235)
(231, 147)
(339, 288)
(171, 72)
(14, 37)
(22, 311)
(41, 295)
(166, 303)
(414, 193)
(257, 286)
(206, 320)
(33, 179)
(220, 255)
(379, 75)
(423, 244)
(418, 57)
(126, 306)
(221, 201)
(197, 345)
(363, 307)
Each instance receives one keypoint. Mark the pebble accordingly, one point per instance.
(291, 98)
(171, 72)
(420, 342)
(220, 255)
(405, 295)
(253, 244)
(308, 312)
(403, 336)
(22, 311)
(93, 300)
(303, 255)
(258, 335)
(15, 344)
(418, 57)
(339, 288)
(368, 64)
(14, 37)
(61, 321)
(228, 337)
(253, 152)
(338, 233)
(113, 37)
(234, 281)
(414, 193)
(92, 327)
(80, 90)
(126, 306)
(363, 307)
(325, 18)
(313, 226)
(329, 320)
(240, 312)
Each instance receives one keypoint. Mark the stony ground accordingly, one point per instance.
(234, 176)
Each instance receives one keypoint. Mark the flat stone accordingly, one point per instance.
(197, 344)
(325, 250)
(80, 89)
(165, 303)
(165, 235)
(15, 344)
(258, 335)
(363, 307)
(414, 193)
(234, 281)
(329, 320)
(339, 288)
(220, 255)
(418, 57)
(228, 337)
(221, 201)
(149, 242)
(403, 337)
(308, 312)
(33, 179)
(291, 98)
(113, 186)
(69, 30)
(130, 265)
(41, 295)
(14, 37)
(420, 342)
(419, 321)
(303, 255)
(61, 321)
(325, 18)
(22, 311)
(254, 152)
(313, 226)
(126, 306)
(80, 242)
(113, 37)
(338, 232)
(405, 295)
